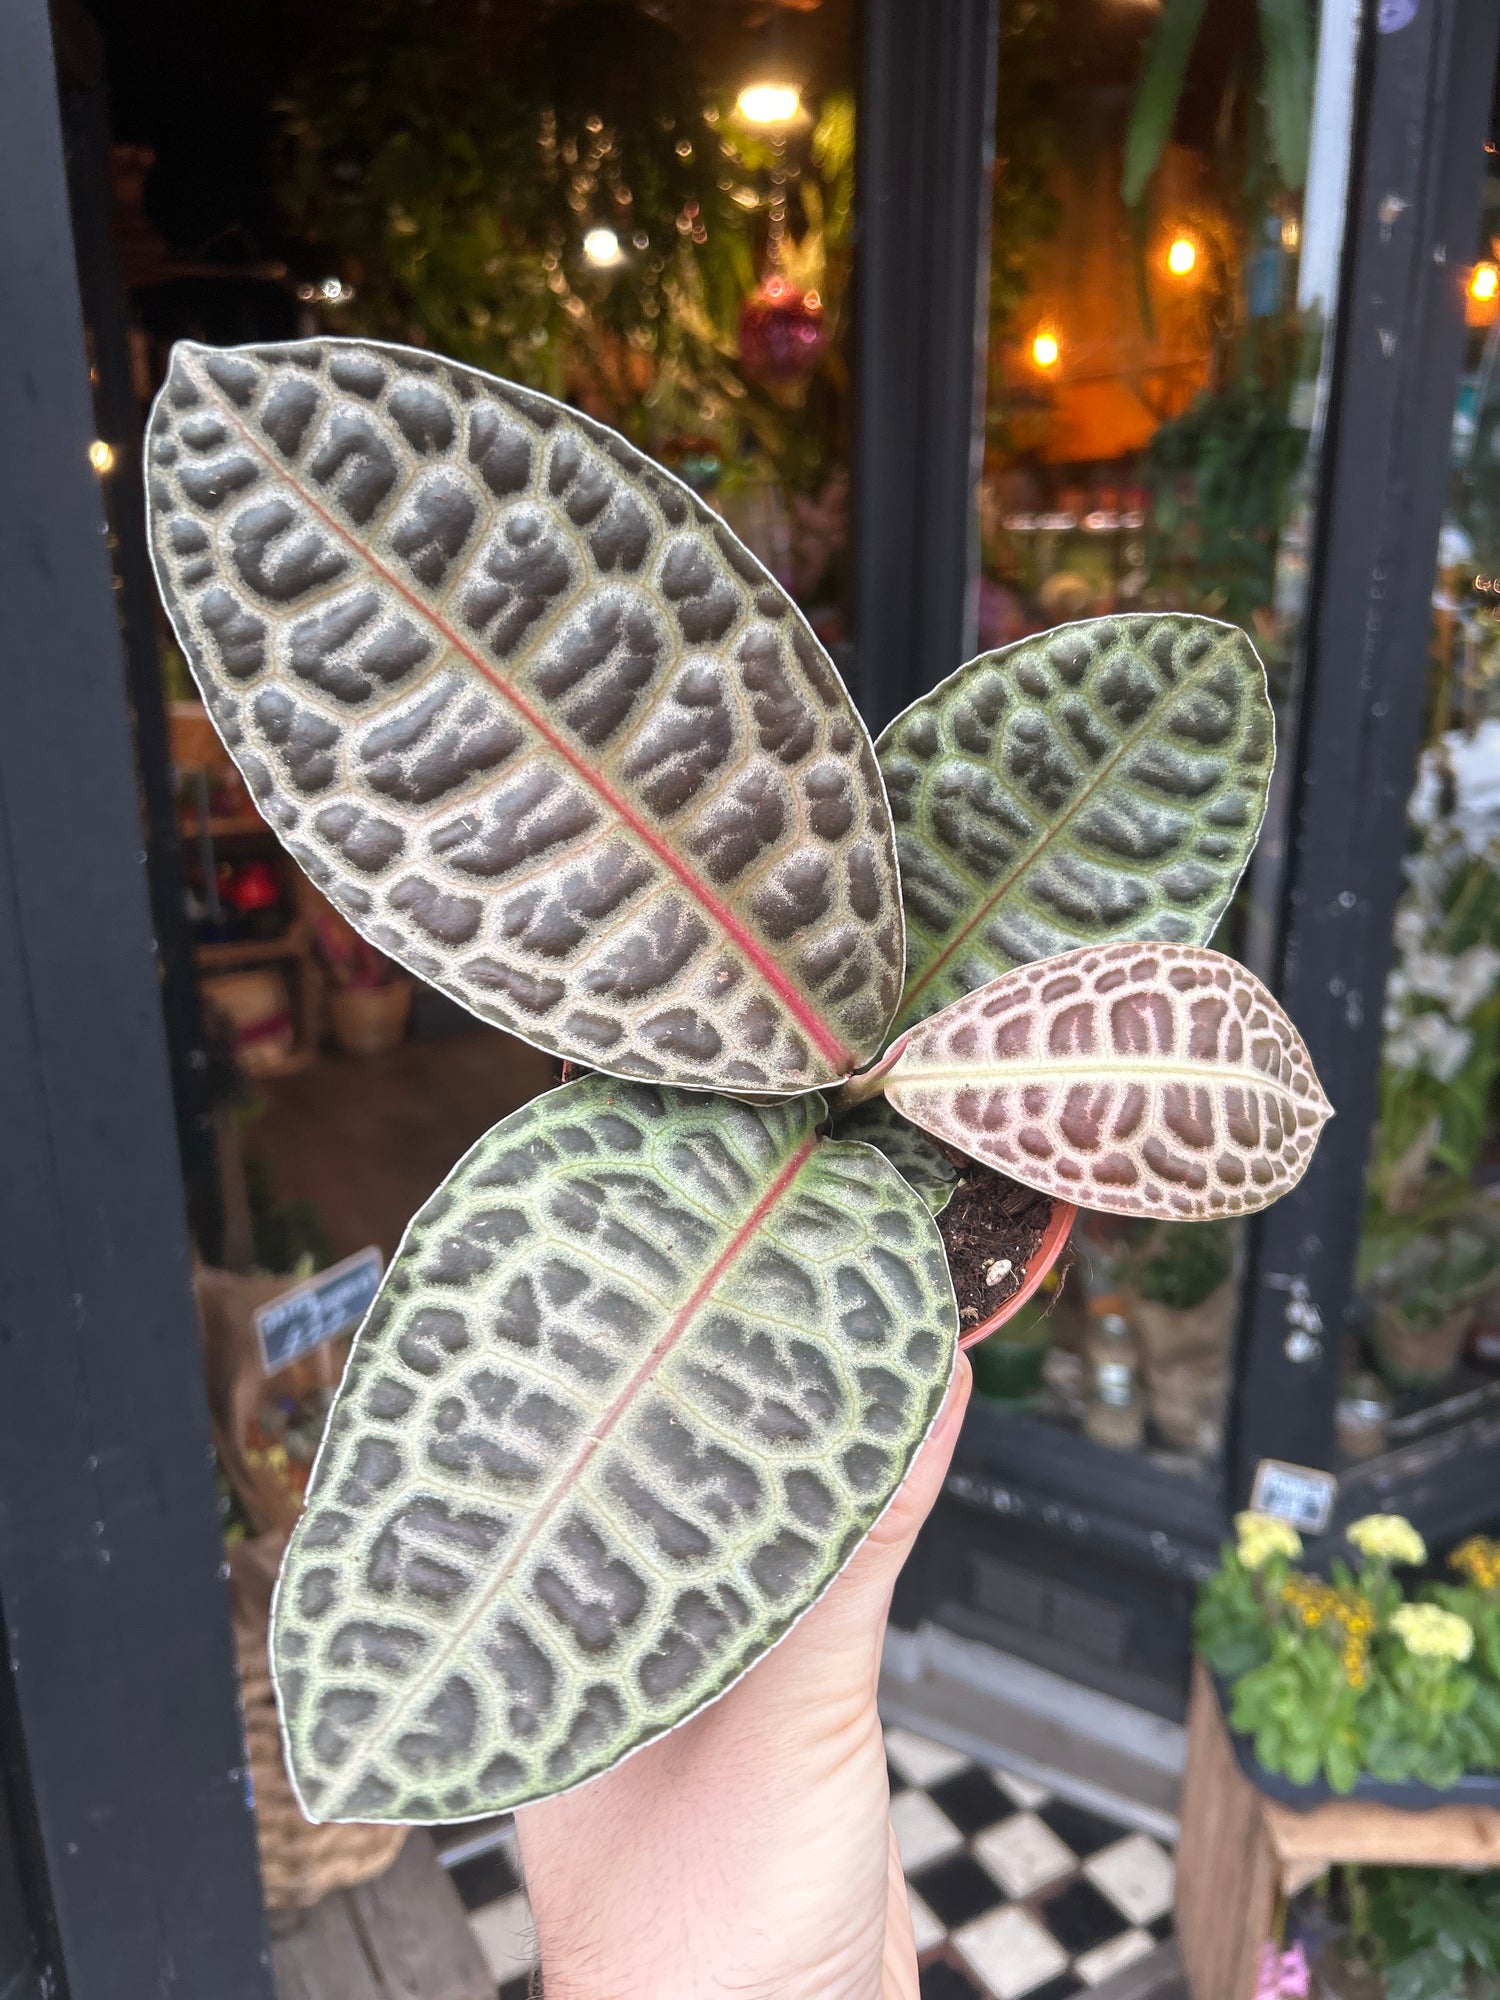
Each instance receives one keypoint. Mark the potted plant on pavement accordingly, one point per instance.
(660, 1350)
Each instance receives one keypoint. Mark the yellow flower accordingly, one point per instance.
(1432, 1633)
(1387, 1538)
(1262, 1536)
(1479, 1560)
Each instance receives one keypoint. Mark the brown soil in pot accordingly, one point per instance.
(990, 1221)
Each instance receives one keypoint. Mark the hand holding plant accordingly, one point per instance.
(657, 1356)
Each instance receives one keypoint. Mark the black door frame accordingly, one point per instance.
(134, 1872)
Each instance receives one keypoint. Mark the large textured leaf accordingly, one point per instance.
(645, 1370)
(1106, 780)
(522, 706)
(918, 1161)
(1143, 1079)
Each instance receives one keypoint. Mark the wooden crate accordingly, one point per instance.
(1240, 1852)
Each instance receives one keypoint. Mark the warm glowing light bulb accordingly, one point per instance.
(1485, 283)
(769, 103)
(102, 456)
(1045, 350)
(601, 246)
(1182, 255)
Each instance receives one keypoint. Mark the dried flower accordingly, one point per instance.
(1262, 1536)
(1432, 1633)
(1387, 1538)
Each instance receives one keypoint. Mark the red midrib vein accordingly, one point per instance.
(794, 1000)
(568, 1478)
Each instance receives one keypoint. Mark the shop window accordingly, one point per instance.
(1165, 247)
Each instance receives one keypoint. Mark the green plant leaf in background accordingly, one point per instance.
(521, 705)
(646, 1368)
(1288, 86)
(1104, 780)
(919, 1162)
(1157, 94)
(1139, 1079)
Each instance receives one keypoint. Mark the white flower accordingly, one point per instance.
(1475, 764)
(1430, 1042)
(1473, 979)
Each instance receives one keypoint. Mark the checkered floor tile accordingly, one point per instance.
(1016, 1894)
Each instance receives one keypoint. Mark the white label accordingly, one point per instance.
(1299, 1494)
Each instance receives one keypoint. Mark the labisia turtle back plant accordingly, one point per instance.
(655, 1356)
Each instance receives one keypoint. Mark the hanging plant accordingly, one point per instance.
(655, 1357)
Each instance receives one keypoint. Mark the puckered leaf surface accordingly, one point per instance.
(525, 709)
(1142, 1079)
(918, 1161)
(1105, 780)
(646, 1369)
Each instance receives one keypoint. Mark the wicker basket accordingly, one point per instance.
(299, 1862)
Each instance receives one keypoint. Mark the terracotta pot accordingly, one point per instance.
(370, 1020)
(1045, 1255)
(1413, 1357)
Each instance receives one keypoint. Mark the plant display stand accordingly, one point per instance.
(1240, 1850)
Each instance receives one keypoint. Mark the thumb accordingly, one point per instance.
(851, 1618)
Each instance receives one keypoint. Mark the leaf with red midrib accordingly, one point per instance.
(520, 705)
(1142, 1079)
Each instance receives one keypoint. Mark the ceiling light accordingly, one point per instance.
(1484, 285)
(769, 103)
(1045, 350)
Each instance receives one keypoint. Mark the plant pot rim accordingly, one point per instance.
(1054, 1236)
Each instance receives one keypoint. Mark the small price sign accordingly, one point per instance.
(1299, 1494)
(319, 1309)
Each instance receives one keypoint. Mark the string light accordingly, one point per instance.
(102, 456)
(769, 103)
(1182, 255)
(601, 246)
(1045, 350)
(1484, 285)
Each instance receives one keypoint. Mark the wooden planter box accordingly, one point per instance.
(1241, 1851)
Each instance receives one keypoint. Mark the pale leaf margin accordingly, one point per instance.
(1137, 1079)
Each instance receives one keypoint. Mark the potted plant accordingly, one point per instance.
(1412, 1934)
(1344, 1685)
(1424, 1291)
(657, 1354)
(1177, 1290)
(369, 998)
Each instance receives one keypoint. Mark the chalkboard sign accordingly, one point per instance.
(319, 1309)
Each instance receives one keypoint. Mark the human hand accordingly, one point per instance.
(749, 1854)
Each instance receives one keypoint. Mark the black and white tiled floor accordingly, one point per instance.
(1016, 1894)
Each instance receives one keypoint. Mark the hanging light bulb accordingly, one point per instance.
(769, 103)
(1045, 349)
(1182, 255)
(1484, 285)
(601, 246)
(102, 456)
